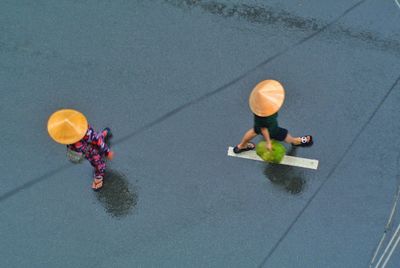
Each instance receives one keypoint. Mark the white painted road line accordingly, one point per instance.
(388, 224)
(397, 3)
(287, 159)
(388, 246)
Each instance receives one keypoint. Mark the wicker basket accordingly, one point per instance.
(74, 157)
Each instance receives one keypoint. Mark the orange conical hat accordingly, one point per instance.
(67, 126)
(267, 98)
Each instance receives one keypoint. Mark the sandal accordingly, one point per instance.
(250, 146)
(305, 141)
(97, 184)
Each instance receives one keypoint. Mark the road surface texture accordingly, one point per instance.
(172, 80)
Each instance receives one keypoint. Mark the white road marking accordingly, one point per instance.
(287, 159)
(397, 3)
(391, 252)
(387, 227)
(387, 248)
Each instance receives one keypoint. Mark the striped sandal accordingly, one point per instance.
(305, 141)
(250, 146)
(97, 183)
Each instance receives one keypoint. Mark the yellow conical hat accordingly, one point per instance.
(267, 98)
(67, 126)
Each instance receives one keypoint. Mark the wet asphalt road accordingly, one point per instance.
(172, 78)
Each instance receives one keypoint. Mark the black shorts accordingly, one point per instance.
(278, 134)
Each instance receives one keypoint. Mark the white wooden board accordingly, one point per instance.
(287, 159)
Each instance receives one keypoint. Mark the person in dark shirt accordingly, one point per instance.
(265, 101)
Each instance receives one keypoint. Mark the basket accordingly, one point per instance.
(74, 157)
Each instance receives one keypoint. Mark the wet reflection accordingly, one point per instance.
(289, 177)
(251, 13)
(269, 15)
(117, 196)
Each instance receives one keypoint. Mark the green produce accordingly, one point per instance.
(273, 156)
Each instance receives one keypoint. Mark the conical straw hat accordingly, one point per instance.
(267, 98)
(67, 126)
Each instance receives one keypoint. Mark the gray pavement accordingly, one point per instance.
(172, 79)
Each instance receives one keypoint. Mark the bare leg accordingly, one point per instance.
(292, 140)
(248, 136)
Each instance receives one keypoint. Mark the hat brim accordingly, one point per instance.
(267, 98)
(67, 126)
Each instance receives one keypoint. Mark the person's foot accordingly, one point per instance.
(305, 141)
(97, 183)
(250, 146)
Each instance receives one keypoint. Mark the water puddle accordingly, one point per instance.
(288, 177)
(250, 13)
(268, 15)
(117, 196)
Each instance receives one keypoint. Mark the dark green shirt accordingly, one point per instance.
(269, 122)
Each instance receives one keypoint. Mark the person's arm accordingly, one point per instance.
(265, 133)
(98, 139)
(77, 147)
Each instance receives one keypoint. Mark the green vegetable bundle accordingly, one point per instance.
(273, 156)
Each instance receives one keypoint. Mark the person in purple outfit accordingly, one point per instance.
(71, 128)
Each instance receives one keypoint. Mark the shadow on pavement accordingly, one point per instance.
(287, 176)
(117, 197)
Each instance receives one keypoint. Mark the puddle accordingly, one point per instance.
(288, 177)
(250, 13)
(267, 15)
(117, 196)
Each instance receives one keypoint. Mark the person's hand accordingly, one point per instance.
(269, 146)
(110, 155)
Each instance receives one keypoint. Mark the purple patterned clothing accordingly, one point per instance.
(94, 148)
